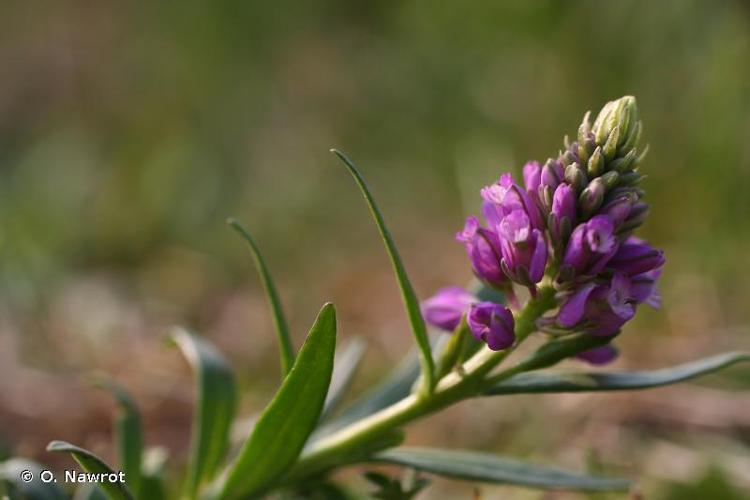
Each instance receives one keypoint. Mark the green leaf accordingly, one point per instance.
(10, 476)
(128, 433)
(93, 465)
(407, 292)
(282, 430)
(345, 366)
(215, 407)
(489, 468)
(554, 351)
(618, 381)
(279, 320)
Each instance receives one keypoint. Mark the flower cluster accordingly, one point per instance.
(569, 225)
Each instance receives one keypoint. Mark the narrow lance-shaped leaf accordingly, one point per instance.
(92, 464)
(12, 483)
(128, 433)
(618, 381)
(407, 291)
(346, 363)
(281, 431)
(279, 320)
(215, 407)
(489, 468)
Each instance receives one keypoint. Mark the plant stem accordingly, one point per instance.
(338, 448)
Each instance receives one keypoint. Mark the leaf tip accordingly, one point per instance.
(58, 446)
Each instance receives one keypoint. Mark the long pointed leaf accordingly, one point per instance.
(282, 330)
(215, 407)
(407, 291)
(10, 476)
(128, 433)
(282, 430)
(619, 381)
(93, 464)
(489, 468)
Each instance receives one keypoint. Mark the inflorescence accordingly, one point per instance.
(571, 225)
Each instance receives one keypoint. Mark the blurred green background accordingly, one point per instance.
(130, 130)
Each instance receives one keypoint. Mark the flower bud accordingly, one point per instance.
(610, 147)
(552, 174)
(591, 198)
(493, 324)
(618, 209)
(569, 157)
(563, 213)
(584, 130)
(610, 180)
(635, 256)
(637, 216)
(483, 248)
(622, 113)
(575, 175)
(625, 163)
(586, 149)
(630, 178)
(596, 163)
(631, 141)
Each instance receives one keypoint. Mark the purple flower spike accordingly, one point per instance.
(524, 249)
(445, 309)
(483, 248)
(591, 246)
(635, 256)
(492, 324)
(599, 355)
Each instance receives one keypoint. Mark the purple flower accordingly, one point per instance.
(523, 247)
(591, 246)
(618, 209)
(599, 309)
(599, 355)
(635, 256)
(563, 213)
(445, 309)
(643, 288)
(492, 324)
(532, 179)
(483, 248)
(541, 182)
(504, 197)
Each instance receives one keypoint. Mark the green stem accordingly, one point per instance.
(351, 440)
